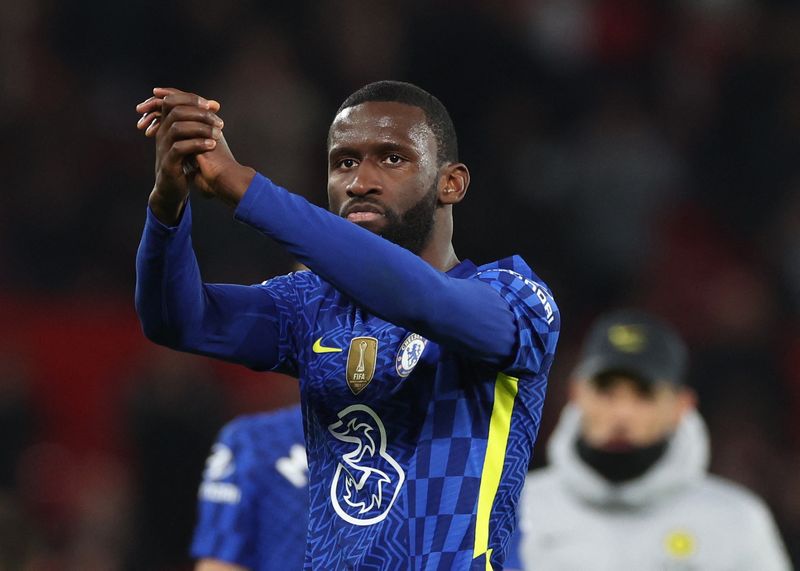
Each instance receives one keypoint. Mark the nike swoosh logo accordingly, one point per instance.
(319, 348)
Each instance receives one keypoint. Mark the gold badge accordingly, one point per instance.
(361, 358)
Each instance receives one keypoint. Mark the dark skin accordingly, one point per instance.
(381, 158)
(187, 129)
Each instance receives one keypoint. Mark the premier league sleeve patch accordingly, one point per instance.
(409, 354)
(220, 466)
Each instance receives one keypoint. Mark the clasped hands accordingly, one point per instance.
(190, 151)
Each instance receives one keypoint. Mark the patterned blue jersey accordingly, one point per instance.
(418, 446)
(417, 454)
(253, 500)
(513, 561)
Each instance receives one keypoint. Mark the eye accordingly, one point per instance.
(393, 159)
(346, 163)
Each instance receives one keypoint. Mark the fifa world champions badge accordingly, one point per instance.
(361, 358)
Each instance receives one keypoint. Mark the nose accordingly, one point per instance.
(367, 180)
(622, 409)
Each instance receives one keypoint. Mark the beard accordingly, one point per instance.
(412, 230)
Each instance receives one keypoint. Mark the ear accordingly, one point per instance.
(575, 390)
(453, 183)
(686, 401)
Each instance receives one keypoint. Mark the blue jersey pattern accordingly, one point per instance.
(253, 501)
(417, 454)
(513, 561)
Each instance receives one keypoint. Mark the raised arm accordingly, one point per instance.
(468, 316)
(175, 307)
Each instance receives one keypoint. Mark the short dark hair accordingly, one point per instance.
(436, 114)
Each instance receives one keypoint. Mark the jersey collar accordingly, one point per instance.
(462, 270)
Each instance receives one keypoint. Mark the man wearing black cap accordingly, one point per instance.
(627, 487)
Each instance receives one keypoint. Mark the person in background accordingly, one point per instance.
(253, 500)
(627, 486)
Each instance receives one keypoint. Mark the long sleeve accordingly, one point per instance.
(475, 317)
(176, 309)
(468, 316)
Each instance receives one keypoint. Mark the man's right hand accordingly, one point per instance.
(190, 150)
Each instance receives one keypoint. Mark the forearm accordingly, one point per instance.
(386, 279)
(166, 208)
(178, 310)
(168, 285)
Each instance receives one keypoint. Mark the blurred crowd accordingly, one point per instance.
(635, 153)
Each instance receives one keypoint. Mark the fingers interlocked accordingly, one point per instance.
(155, 111)
(183, 124)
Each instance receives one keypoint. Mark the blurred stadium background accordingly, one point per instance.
(643, 153)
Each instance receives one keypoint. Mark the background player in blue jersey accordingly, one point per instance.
(253, 500)
(422, 377)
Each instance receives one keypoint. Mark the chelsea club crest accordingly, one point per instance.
(409, 354)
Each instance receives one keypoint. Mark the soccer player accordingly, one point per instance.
(253, 500)
(628, 486)
(422, 376)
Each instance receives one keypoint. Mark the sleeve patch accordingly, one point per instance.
(544, 297)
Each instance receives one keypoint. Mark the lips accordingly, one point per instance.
(364, 216)
(362, 212)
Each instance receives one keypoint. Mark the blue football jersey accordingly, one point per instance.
(253, 500)
(417, 454)
(513, 561)
(417, 446)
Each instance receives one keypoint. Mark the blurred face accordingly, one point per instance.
(619, 413)
(383, 172)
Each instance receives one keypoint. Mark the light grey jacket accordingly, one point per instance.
(675, 517)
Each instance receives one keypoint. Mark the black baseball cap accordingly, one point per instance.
(635, 343)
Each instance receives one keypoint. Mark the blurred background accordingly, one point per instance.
(635, 153)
